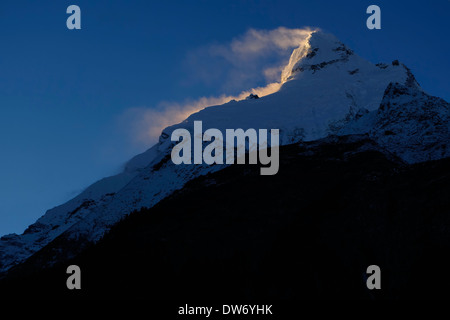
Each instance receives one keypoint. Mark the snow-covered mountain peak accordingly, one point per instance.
(326, 88)
(323, 82)
(319, 50)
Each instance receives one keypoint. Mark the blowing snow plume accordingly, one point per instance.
(258, 56)
(248, 60)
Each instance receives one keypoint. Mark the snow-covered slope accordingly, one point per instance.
(409, 123)
(326, 89)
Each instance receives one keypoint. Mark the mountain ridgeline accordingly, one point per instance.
(363, 180)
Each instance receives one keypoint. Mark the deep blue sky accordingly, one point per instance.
(62, 91)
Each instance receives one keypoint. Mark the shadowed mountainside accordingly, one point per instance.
(335, 207)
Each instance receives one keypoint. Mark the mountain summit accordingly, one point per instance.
(326, 90)
(323, 82)
(320, 49)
